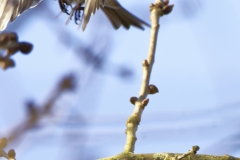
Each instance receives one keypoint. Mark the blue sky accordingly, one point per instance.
(196, 71)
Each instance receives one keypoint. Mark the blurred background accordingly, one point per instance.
(196, 70)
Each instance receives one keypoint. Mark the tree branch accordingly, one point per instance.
(157, 10)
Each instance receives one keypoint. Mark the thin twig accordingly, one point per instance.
(192, 151)
(157, 10)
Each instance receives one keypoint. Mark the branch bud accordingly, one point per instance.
(145, 102)
(145, 63)
(167, 9)
(68, 83)
(133, 100)
(152, 89)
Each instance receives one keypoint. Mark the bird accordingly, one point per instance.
(118, 16)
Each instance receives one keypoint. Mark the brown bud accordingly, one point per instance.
(11, 153)
(145, 63)
(152, 89)
(145, 102)
(3, 142)
(133, 100)
(167, 9)
(25, 47)
(68, 82)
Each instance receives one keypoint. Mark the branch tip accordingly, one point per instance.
(195, 149)
(192, 151)
(163, 6)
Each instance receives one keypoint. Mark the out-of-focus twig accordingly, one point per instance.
(11, 153)
(36, 113)
(10, 43)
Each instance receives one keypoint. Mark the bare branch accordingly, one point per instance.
(157, 10)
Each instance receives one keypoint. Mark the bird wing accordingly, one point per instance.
(10, 9)
(115, 13)
(120, 16)
(90, 8)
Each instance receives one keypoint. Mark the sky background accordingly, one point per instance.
(196, 70)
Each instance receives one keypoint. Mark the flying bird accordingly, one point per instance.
(118, 16)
